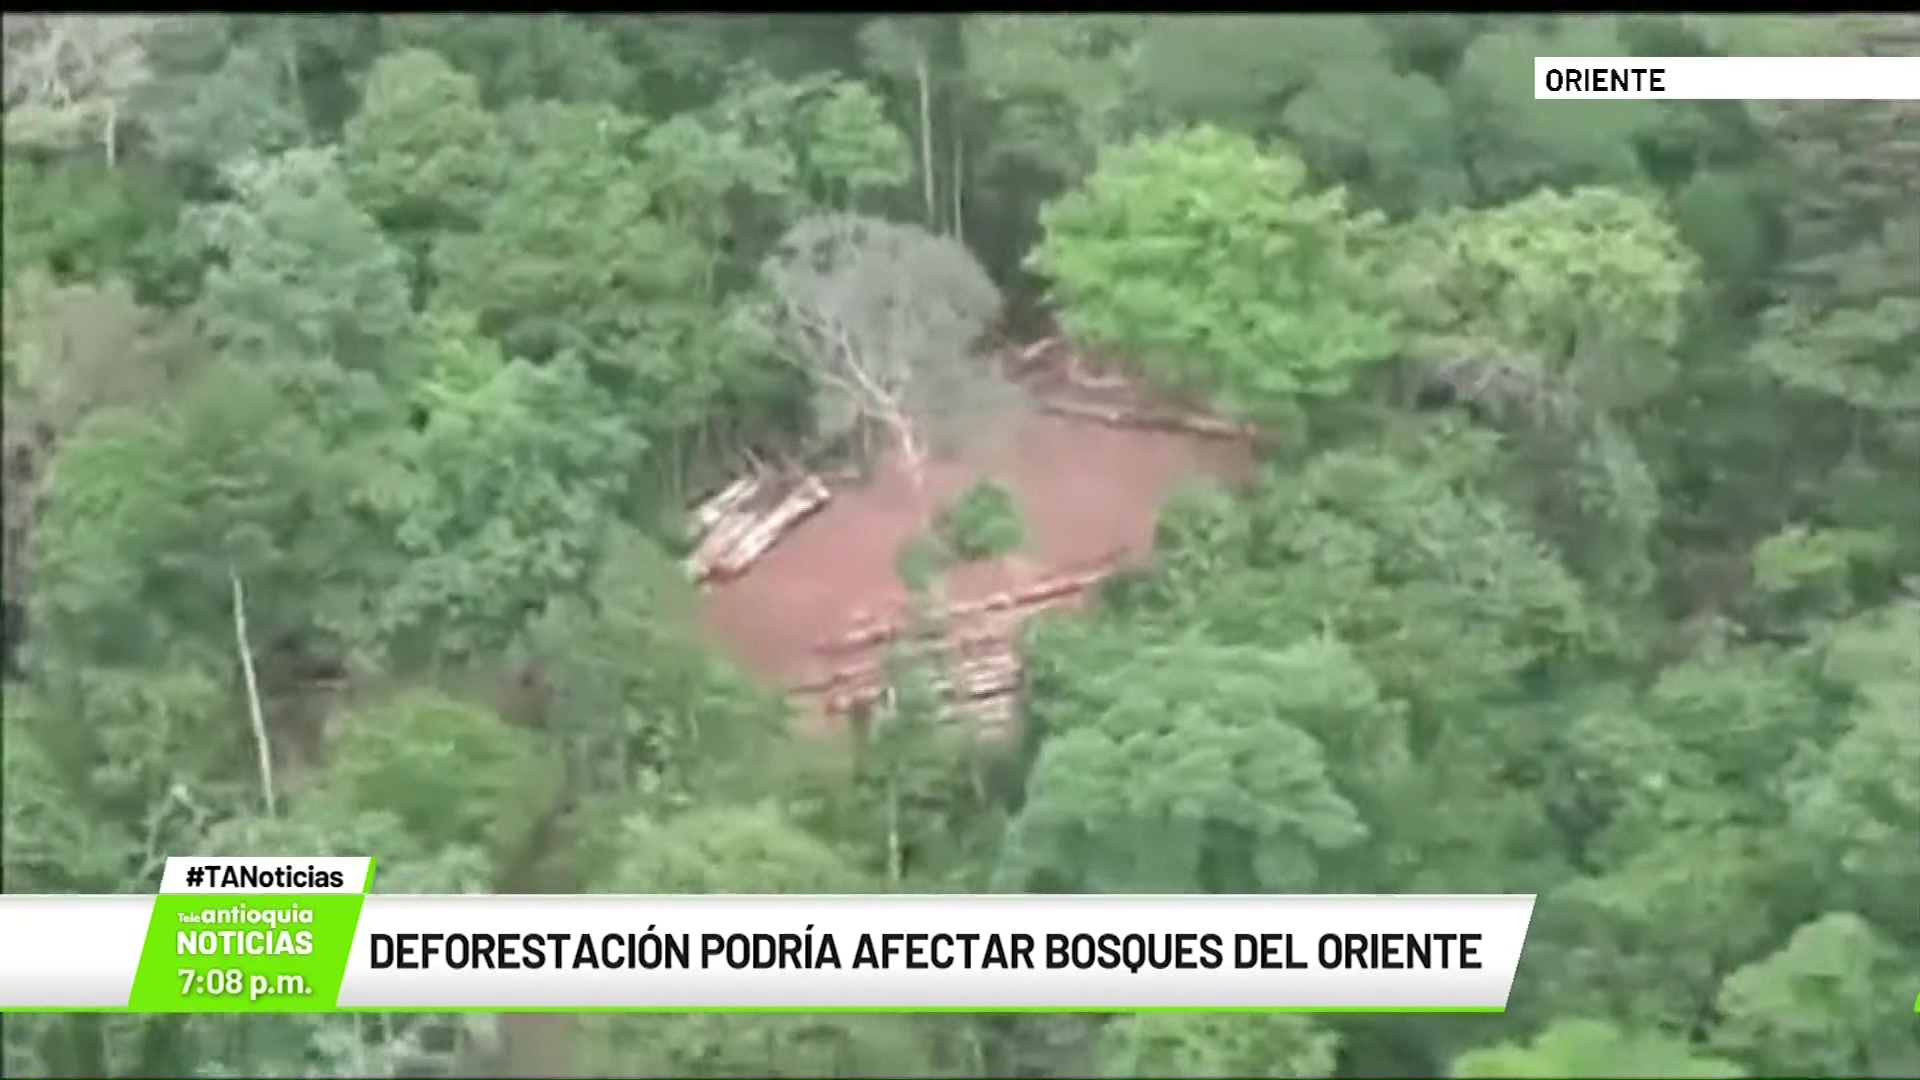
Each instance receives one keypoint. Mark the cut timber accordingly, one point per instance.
(980, 678)
(834, 681)
(989, 714)
(993, 678)
(970, 683)
(1043, 593)
(960, 647)
(1079, 378)
(756, 541)
(1040, 592)
(1037, 349)
(731, 498)
(739, 541)
(1150, 419)
(725, 536)
(991, 641)
(851, 701)
(1030, 358)
(863, 637)
(993, 714)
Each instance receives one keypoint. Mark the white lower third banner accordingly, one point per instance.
(265, 950)
(943, 952)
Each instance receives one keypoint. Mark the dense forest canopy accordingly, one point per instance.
(359, 370)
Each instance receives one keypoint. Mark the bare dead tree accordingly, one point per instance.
(256, 716)
(1510, 384)
(885, 317)
(67, 74)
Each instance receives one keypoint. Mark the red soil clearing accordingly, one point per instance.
(1084, 490)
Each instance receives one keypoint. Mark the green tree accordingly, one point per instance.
(150, 516)
(501, 501)
(1218, 1046)
(220, 95)
(1592, 1048)
(1515, 144)
(306, 290)
(745, 849)
(571, 256)
(421, 155)
(642, 706)
(1592, 285)
(1856, 800)
(1212, 264)
(1193, 775)
(451, 774)
(553, 57)
(1832, 1002)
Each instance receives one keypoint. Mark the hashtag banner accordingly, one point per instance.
(250, 935)
(223, 935)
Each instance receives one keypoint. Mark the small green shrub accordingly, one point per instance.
(983, 523)
(919, 561)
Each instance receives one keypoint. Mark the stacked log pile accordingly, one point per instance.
(739, 525)
(972, 644)
(981, 686)
(1061, 586)
(991, 673)
(1150, 418)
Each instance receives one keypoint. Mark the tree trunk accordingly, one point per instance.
(923, 72)
(894, 868)
(914, 458)
(254, 713)
(959, 180)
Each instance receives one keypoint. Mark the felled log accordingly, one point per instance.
(832, 681)
(969, 680)
(857, 677)
(722, 538)
(756, 541)
(865, 637)
(739, 541)
(1000, 676)
(1079, 378)
(839, 704)
(1039, 348)
(1042, 592)
(1031, 357)
(729, 499)
(942, 642)
(993, 714)
(953, 648)
(989, 712)
(1024, 602)
(1052, 589)
(1049, 360)
(1056, 586)
(1150, 419)
(802, 503)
